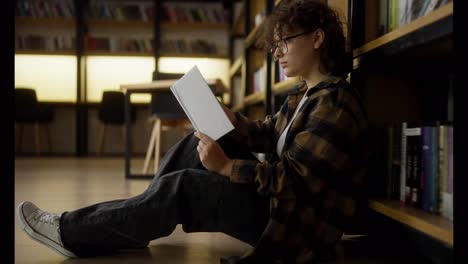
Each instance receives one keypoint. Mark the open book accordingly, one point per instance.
(200, 105)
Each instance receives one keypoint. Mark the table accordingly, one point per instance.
(216, 86)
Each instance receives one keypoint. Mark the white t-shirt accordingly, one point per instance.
(280, 143)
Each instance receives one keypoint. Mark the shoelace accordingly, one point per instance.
(49, 218)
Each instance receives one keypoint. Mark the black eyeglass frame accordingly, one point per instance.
(275, 46)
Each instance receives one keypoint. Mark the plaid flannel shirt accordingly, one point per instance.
(316, 184)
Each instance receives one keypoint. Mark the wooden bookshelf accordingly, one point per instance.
(254, 98)
(120, 23)
(192, 55)
(45, 52)
(433, 225)
(417, 24)
(236, 67)
(193, 26)
(284, 86)
(238, 26)
(119, 53)
(237, 108)
(50, 22)
(253, 35)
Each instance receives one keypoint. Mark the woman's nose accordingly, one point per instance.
(278, 53)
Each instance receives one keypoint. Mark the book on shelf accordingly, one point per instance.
(431, 168)
(421, 155)
(121, 11)
(403, 163)
(396, 13)
(45, 43)
(183, 46)
(118, 44)
(45, 9)
(446, 170)
(200, 105)
(209, 13)
(413, 164)
(383, 17)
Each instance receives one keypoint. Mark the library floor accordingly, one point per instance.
(59, 184)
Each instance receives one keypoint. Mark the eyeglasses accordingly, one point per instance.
(282, 45)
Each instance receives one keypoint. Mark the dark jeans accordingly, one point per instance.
(182, 192)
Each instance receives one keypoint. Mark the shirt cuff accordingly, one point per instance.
(243, 171)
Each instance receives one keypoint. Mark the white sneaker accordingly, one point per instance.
(42, 226)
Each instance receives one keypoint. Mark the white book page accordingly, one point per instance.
(200, 105)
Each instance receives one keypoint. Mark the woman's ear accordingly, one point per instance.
(318, 38)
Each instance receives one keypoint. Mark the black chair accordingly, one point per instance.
(111, 111)
(166, 113)
(29, 111)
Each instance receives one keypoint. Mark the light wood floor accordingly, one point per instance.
(59, 184)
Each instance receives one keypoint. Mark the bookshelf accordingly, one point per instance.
(437, 16)
(182, 25)
(44, 27)
(250, 71)
(237, 33)
(130, 30)
(405, 75)
(436, 226)
(116, 28)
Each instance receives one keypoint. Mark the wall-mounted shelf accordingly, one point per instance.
(45, 52)
(238, 27)
(237, 108)
(254, 98)
(120, 23)
(236, 67)
(433, 225)
(284, 86)
(253, 35)
(54, 22)
(193, 26)
(421, 30)
(118, 53)
(193, 55)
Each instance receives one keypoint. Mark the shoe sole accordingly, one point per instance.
(39, 237)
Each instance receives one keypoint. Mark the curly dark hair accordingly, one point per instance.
(309, 15)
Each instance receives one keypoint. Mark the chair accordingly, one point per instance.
(166, 113)
(29, 111)
(111, 112)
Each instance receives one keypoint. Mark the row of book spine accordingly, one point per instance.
(45, 8)
(45, 43)
(193, 46)
(118, 44)
(112, 44)
(190, 13)
(396, 13)
(418, 165)
(114, 10)
(107, 10)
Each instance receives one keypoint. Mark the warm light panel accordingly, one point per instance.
(52, 76)
(108, 73)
